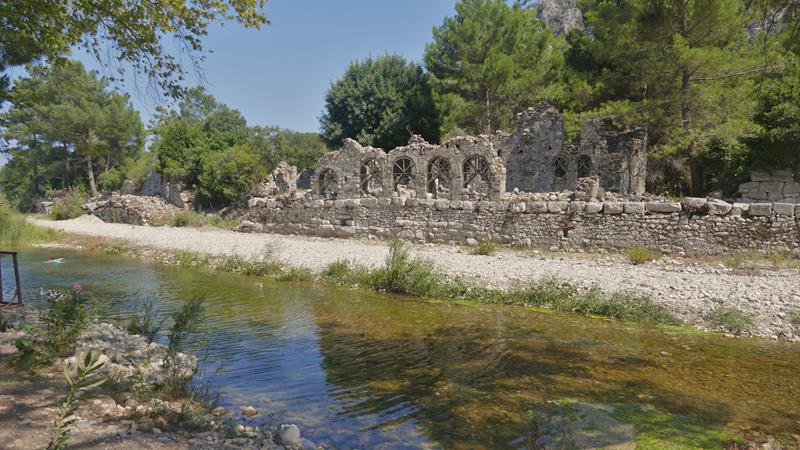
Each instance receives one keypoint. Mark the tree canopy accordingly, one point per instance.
(490, 61)
(64, 124)
(118, 32)
(380, 102)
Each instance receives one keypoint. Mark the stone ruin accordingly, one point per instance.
(768, 187)
(535, 158)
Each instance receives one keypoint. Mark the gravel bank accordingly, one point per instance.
(690, 290)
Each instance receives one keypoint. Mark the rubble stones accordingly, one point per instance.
(131, 209)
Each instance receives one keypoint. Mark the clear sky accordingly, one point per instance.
(278, 75)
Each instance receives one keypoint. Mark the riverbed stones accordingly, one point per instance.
(288, 435)
(249, 411)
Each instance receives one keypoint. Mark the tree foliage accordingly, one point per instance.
(118, 32)
(64, 124)
(380, 102)
(490, 61)
(209, 145)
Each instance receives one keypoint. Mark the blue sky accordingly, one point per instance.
(278, 75)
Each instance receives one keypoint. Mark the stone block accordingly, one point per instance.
(718, 207)
(442, 204)
(369, 202)
(593, 207)
(633, 208)
(750, 186)
(317, 203)
(536, 207)
(467, 205)
(483, 204)
(500, 206)
(518, 207)
(757, 196)
(613, 208)
(739, 209)
(663, 207)
(455, 204)
(384, 202)
(760, 209)
(353, 202)
(797, 211)
(577, 206)
(783, 209)
(694, 205)
(411, 202)
(555, 207)
(256, 201)
(791, 188)
(771, 186)
(340, 204)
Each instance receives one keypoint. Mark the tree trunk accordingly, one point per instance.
(66, 166)
(488, 117)
(90, 174)
(696, 179)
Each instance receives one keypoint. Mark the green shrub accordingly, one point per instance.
(65, 318)
(337, 270)
(796, 319)
(639, 254)
(68, 204)
(186, 321)
(403, 275)
(228, 175)
(484, 248)
(111, 180)
(34, 353)
(145, 322)
(87, 376)
(732, 320)
(295, 274)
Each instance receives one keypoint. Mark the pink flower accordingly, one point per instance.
(76, 286)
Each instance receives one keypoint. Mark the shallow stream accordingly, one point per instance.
(361, 370)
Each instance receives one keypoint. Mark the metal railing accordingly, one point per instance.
(16, 300)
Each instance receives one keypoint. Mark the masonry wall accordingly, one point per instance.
(712, 227)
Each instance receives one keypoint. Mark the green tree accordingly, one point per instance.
(118, 33)
(297, 148)
(685, 67)
(380, 102)
(489, 62)
(228, 175)
(63, 122)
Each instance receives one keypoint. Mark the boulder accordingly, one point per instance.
(719, 207)
(694, 205)
(132, 209)
(288, 436)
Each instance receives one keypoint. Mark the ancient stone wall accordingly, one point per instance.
(463, 167)
(777, 186)
(693, 225)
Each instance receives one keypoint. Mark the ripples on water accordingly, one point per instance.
(368, 371)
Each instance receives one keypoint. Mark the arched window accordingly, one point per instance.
(328, 186)
(584, 166)
(403, 172)
(439, 177)
(560, 166)
(371, 177)
(476, 169)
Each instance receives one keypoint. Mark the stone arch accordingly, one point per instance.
(476, 174)
(439, 177)
(560, 166)
(328, 184)
(403, 172)
(585, 166)
(371, 177)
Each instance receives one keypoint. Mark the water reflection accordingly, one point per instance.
(361, 370)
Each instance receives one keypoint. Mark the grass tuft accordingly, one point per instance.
(16, 231)
(196, 219)
(731, 320)
(484, 248)
(639, 254)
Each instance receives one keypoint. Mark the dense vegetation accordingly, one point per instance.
(716, 81)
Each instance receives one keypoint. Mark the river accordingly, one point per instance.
(362, 370)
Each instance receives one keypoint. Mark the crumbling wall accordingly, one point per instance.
(538, 159)
(694, 225)
(529, 154)
(462, 167)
